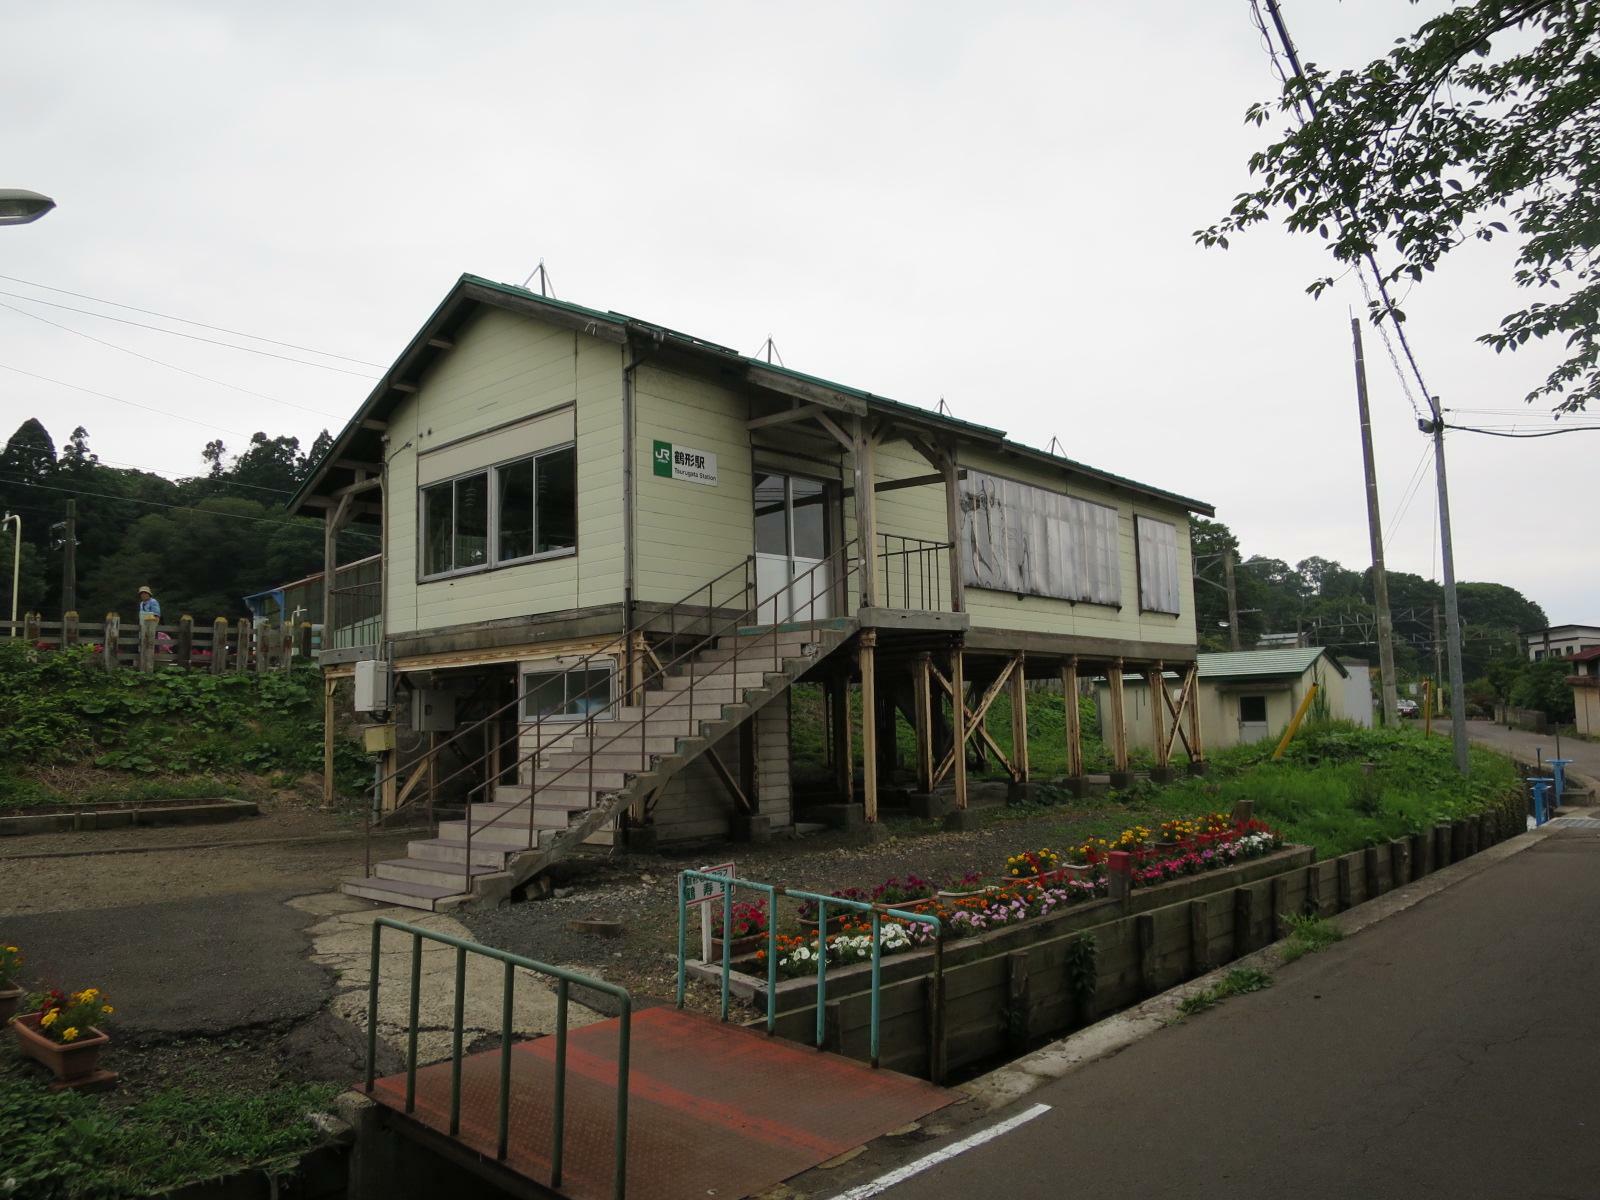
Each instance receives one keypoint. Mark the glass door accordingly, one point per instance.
(791, 544)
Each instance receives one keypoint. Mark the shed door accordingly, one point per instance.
(791, 545)
(1252, 718)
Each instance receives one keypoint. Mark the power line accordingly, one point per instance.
(160, 412)
(163, 363)
(193, 337)
(149, 312)
(1507, 433)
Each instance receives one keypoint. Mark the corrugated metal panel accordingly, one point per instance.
(1025, 539)
(1158, 564)
(1248, 663)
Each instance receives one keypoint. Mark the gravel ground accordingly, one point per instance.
(639, 890)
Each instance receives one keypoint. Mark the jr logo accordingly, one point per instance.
(663, 459)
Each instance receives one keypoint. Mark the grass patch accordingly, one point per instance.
(1235, 983)
(1307, 935)
(71, 1147)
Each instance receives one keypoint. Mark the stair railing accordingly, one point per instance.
(744, 569)
(818, 579)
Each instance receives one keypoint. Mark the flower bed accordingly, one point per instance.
(1205, 857)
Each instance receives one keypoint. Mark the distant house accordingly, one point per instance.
(1586, 691)
(1561, 641)
(1248, 695)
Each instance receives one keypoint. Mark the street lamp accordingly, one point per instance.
(18, 206)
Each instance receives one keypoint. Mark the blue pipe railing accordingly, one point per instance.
(564, 979)
(876, 913)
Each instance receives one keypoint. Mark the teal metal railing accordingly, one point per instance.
(564, 980)
(875, 912)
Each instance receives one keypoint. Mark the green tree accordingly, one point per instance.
(1489, 112)
(1543, 686)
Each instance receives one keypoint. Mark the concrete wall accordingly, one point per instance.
(505, 369)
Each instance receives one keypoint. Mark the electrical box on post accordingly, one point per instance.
(372, 685)
(433, 710)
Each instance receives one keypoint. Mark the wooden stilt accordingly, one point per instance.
(1156, 684)
(391, 765)
(839, 720)
(1197, 753)
(1119, 719)
(1019, 720)
(922, 701)
(328, 688)
(866, 654)
(1069, 697)
(958, 709)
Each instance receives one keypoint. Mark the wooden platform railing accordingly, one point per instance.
(143, 645)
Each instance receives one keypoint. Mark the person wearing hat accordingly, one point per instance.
(149, 606)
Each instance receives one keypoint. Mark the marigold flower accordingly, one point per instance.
(49, 1018)
(70, 1033)
(107, 1010)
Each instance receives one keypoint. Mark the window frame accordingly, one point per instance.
(557, 667)
(493, 560)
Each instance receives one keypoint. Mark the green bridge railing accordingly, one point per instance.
(564, 980)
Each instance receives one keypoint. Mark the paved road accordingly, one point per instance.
(1446, 1052)
(1585, 756)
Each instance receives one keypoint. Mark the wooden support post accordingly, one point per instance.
(1074, 718)
(922, 701)
(263, 641)
(1369, 866)
(1313, 906)
(241, 653)
(147, 642)
(1243, 913)
(1019, 721)
(1156, 685)
(844, 769)
(1017, 1015)
(952, 518)
(1199, 937)
(304, 634)
(433, 772)
(219, 645)
(391, 767)
(184, 655)
(108, 646)
(1196, 748)
(328, 688)
(866, 654)
(1119, 719)
(1144, 926)
(30, 628)
(1346, 890)
(958, 708)
(866, 513)
(69, 629)
(1278, 890)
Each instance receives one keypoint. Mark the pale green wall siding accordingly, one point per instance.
(688, 533)
(505, 367)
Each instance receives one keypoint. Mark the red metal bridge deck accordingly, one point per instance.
(714, 1109)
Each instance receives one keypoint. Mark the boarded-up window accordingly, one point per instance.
(1157, 543)
(1026, 539)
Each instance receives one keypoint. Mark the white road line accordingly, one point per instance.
(900, 1174)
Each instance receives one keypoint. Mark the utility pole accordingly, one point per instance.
(69, 561)
(1435, 427)
(1438, 650)
(1380, 577)
(1233, 598)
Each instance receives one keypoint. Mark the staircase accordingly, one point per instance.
(581, 781)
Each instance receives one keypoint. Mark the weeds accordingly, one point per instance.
(1307, 935)
(1237, 982)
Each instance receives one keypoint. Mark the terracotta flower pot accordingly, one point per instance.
(10, 999)
(72, 1062)
(743, 947)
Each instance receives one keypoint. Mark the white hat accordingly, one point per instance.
(146, 588)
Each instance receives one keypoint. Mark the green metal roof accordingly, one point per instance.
(1252, 664)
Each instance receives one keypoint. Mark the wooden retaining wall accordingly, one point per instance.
(1001, 994)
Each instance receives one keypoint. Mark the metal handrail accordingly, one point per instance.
(564, 979)
(930, 581)
(772, 891)
(642, 723)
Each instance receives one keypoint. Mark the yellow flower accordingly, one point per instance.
(49, 1018)
(69, 1034)
(107, 1010)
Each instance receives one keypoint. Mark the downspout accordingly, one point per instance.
(629, 362)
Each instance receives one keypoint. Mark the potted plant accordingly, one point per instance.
(10, 991)
(970, 884)
(807, 914)
(911, 893)
(1037, 866)
(61, 1035)
(748, 931)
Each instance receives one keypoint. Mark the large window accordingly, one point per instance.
(1157, 544)
(558, 693)
(1032, 541)
(515, 512)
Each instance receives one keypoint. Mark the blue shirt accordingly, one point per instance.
(151, 605)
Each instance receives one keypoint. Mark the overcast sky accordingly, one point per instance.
(990, 203)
